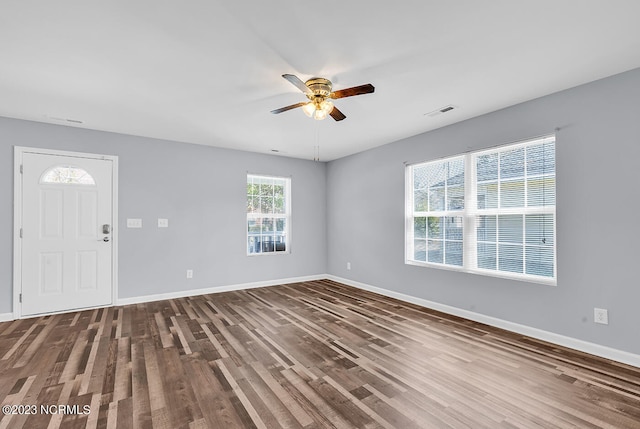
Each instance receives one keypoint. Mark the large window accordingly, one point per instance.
(489, 212)
(268, 214)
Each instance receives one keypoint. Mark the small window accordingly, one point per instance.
(68, 175)
(268, 214)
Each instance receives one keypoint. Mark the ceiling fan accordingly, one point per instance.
(319, 92)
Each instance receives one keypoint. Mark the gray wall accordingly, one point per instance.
(352, 210)
(201, 190)
(598, 202)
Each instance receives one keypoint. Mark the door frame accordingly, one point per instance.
(17, 221)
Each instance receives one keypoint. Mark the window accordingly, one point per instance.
(268, 214)
(438, 190)
(488, 212)
(68, 175)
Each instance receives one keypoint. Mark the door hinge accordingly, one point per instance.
(20, 232)
(21, 169)
(20, 297)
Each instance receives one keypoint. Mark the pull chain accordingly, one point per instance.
(316, 148)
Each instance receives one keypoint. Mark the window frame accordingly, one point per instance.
(259, 215)
(471, 216)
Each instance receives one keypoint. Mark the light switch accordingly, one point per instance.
(163, 223)
(134, 223)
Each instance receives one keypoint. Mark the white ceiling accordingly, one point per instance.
(209, 71)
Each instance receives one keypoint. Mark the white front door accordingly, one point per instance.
(67, 230)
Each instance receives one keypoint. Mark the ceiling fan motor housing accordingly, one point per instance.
(320, 89)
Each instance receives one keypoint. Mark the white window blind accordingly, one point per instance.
(487, 212)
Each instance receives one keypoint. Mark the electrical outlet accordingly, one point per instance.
(601, 316)
(163, 223)
(189, 274)
(348, 265)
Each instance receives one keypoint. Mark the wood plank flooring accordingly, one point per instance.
(306, 355)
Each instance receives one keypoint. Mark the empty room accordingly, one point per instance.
(348, 214)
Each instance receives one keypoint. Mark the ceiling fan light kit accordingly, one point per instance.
(318, 109)
(319, 92)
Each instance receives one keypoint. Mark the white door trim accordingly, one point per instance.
(17, 219)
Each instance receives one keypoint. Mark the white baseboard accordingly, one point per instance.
(216, 289)
(561, 340)
(6, 317)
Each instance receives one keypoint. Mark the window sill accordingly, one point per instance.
(286, 252)
(487, 273)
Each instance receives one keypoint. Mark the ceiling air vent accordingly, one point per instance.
(440, 111)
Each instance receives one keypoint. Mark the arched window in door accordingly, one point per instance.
(67, 174)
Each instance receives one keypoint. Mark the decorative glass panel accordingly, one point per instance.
(67, 175)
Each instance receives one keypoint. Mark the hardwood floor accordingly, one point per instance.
(307, 355)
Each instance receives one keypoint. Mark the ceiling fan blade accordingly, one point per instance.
(293, 106)
(336, 114)
(295, 80)
(356, 90)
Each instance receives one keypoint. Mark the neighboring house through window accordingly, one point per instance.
(488, 212)
(268, 214)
